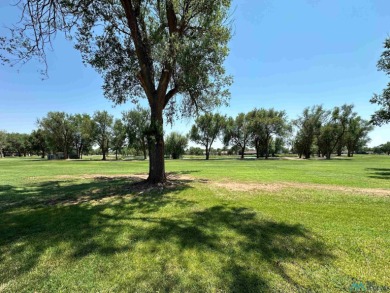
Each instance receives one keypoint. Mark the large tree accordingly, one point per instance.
(382, 116)
(155, 49)
(206, 130)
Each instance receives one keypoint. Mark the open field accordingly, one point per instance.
(220, 226)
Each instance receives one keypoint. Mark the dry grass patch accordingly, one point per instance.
(279, 186)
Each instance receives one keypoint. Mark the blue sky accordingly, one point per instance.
(283, 54)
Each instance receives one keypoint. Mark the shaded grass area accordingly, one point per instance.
(102, 233)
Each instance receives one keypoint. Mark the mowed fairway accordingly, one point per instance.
(219, 226)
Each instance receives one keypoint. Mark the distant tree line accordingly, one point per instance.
(324, 132)
(76, 135)
(260, 132)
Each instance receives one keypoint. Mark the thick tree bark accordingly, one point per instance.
(242, 152)
(156, 146)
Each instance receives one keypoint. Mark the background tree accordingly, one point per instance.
(356, 134)
(136, 124)
(206, 130)
(144, 49)
(118, 137)
(238, 132)
(175, 145)
(103, 130)
(277, 146)
(59, 129)
(334, 129)
(38, 141)
(308, 128)
(264, 125)
(382, 116)
(385, 148)
(84, 131)
(18, 143)
(3, 142)
(195, 151)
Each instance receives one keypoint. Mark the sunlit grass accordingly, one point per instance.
(79, 226)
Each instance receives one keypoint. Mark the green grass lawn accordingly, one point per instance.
(222, 226)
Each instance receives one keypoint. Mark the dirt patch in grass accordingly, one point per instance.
(176, 179)
(275, 187)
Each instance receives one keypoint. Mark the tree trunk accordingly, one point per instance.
(207, 153)
(144, 149)
(307, 155)
(349, 153)
(104, 154)
(328, 155)
(156, 146)
(116, 155)
(242, 152)
(267, 149)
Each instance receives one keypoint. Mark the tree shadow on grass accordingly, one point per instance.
(91, 218)
(379, 173)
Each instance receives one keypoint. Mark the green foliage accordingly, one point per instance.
(266, 124)
(59, 130)
(38, 141)
(170, 52)
(382, 116)
(356, 135)
(334, 128)
(84, 136)
(195, 151)
(382, 149)
(175, 145)
(103, 130)
(309, 126)
(207, 129)
(3, 142)
(237, 132)
(136, 125)
(18, 143)
(118, 136)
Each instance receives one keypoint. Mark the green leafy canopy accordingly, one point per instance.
(141, 48)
